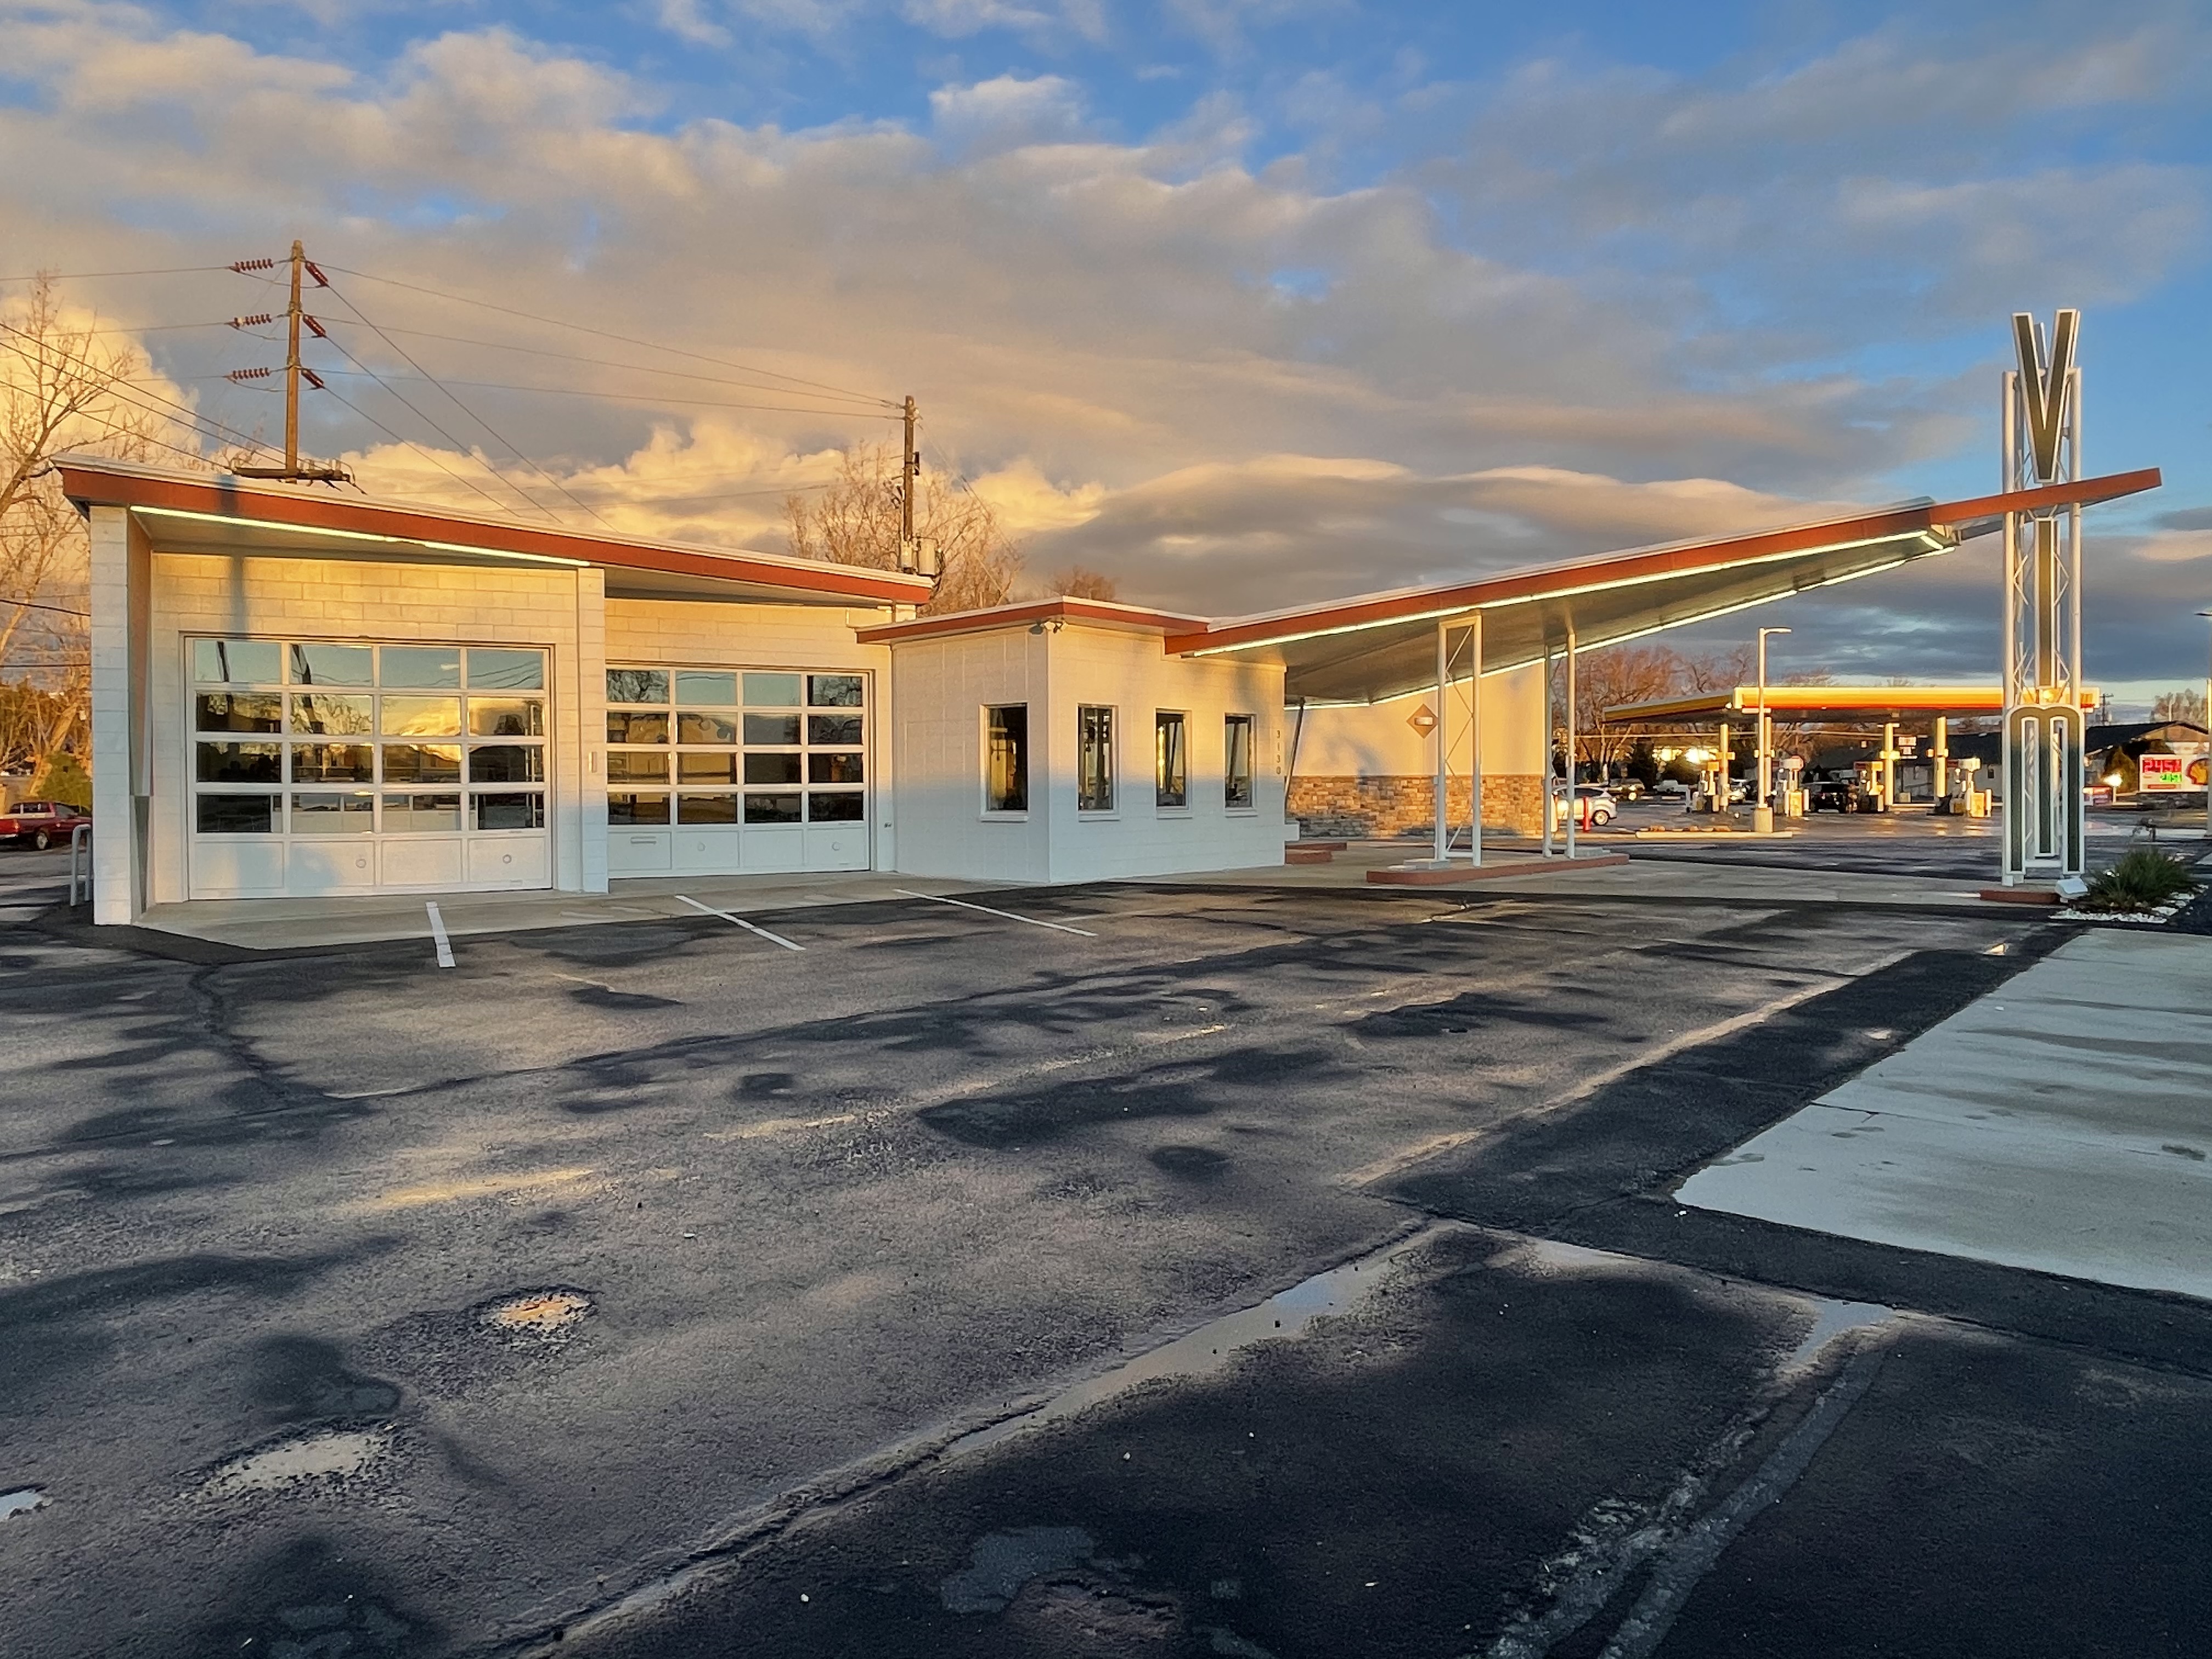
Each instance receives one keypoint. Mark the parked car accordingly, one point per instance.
(1629, 789)
(1670, 789)
(1833, 795)
(1595, 807)
(39, 823)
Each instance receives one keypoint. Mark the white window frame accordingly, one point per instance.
(1113, 807)
(1168, 810)
(989, 813)
(1251, 760)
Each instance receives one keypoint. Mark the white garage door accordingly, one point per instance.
(725, 771)
(325, 767)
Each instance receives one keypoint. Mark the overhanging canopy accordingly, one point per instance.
(1380, 646)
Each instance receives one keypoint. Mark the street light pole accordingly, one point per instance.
(1762, 808)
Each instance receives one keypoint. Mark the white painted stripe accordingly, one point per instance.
(438, 937)
(936, 898)
(774, 939)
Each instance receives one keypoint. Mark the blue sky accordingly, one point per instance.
(1243, 300)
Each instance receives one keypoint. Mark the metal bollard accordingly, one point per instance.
(80, 838)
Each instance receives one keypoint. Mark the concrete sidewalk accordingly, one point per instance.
(2062, 1123)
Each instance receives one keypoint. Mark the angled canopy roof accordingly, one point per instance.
(216, 512)
(1365, 649)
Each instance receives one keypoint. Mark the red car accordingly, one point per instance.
(41, 823)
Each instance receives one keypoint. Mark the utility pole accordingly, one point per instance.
(917, 554)
(294, 370)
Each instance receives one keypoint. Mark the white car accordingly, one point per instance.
(1595, 807)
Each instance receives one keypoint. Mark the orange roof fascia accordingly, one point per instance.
(1643, 565)
(96, 486)
(1101, 611)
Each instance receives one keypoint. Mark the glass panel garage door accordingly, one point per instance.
(321, 768)
(727, 771)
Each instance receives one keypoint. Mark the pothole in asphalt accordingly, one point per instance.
(548, 1316)
(21, 1501)
(324, 1455)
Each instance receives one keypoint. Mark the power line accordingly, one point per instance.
(462, 447)
(171, 408)
(88, 276)
(512, 448)
(33, 604)
(458, 477)
(626, 339)
(642, 398)
(604, 363)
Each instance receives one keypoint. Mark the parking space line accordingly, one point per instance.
(935, 898)
(438, 936)
(773, 939)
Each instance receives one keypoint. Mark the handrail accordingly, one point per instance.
(79, 837)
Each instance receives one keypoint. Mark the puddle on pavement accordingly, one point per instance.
(547, 1315)
(1001, 1563)
(21, 1501)
(1830, 1320)
(1209, 1348)
(325, 1455)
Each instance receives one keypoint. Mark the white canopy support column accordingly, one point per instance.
(1443, 840)
(1550, 810)
(1574, 803)
(1474, 736)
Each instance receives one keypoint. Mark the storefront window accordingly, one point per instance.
(1236, 771)
(1094, 759)
(1170, 778)
(1006, 758)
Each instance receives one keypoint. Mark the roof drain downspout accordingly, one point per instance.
(1291, 773)
(1444, 752)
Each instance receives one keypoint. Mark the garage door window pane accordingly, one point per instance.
(625, 727)
(506, 670)
(837, 730)
(236, 815)
(241, 763)
(420, 666)
(517, 811)
(645, 685)
(415, 814)
(351, 814)
(771, 769)
(236, 662)
(422, 717)
(707, 809)
(833, 768)
(336, 717)
(771, 690)
(771, 809)
(698, 689)
(333, 665)
(834, 809)
(506, 717)
(772, 728)
(637, 809)
(706, 728)
(333, 763)
(421, 762)
(239, 711)
(720, 766)
(506, 764)
(833, 690)
(630, 768)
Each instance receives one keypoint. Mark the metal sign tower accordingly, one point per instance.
(2043, 726)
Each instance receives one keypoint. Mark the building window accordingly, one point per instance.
(1237, 763)
(1094, 759)
(1170, 777)
(737, 747)
(1006, 758)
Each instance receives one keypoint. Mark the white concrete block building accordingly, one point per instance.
(306, 696)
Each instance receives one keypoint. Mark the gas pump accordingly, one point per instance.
(1792, 789)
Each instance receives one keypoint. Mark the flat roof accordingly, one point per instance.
(1379, 646)
(215, 512)
(1826, 702)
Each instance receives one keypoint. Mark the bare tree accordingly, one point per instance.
(855, 520)
(64, 384)
(2185, 704)
(1612, 678)
(1081, 583)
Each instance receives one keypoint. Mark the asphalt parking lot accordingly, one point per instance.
(653, 1289)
